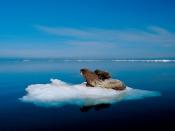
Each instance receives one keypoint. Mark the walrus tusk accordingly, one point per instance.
(81, 73)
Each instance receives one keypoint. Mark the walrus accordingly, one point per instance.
(93, 80)
(102, 75)
(89, 76)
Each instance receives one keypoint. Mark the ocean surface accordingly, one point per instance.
(19, 79)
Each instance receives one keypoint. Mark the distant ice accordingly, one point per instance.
(122, 60)
(59, 93)
(135, 60)
(26, 60)
(84, 60)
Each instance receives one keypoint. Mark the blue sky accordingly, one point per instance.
(87, 28)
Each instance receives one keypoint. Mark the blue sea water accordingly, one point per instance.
(149, 113)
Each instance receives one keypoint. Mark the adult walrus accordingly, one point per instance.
(93, 80)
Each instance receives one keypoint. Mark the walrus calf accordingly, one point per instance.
(102, 75)
(93, 80)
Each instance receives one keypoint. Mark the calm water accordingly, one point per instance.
(148, 113)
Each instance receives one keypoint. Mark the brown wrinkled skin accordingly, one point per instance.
(89, 76)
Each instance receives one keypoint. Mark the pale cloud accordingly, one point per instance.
(71, 32)
(91, 44)
(94, 43)
(152, 35)
(76, 49)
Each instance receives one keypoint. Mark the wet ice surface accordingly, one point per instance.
(59, 93)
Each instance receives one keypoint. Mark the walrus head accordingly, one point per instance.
(89, 76)
(83, 71)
